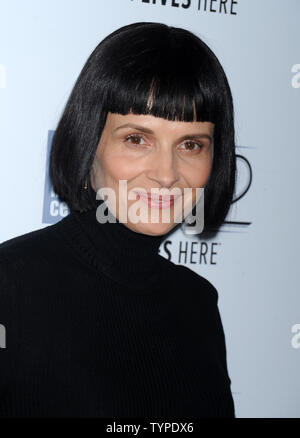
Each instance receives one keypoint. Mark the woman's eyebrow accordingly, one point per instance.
(149, 131)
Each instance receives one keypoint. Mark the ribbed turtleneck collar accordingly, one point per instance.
(127, 257)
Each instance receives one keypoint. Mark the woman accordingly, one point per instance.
(97, 322)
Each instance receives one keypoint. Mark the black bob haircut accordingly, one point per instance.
(144, 62)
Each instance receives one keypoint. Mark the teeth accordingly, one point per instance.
(154, 200)
(157, 199)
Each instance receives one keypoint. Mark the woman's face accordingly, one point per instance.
(152, 153)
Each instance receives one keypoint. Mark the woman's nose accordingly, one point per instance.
(164, 169)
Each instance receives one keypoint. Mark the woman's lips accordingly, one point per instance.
(162, 201)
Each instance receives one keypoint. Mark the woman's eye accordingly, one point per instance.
(192, 146)
(137, 140)
(134, 139)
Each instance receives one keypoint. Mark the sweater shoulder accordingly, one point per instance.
(26, 244)
(190, 280)
(33, 250)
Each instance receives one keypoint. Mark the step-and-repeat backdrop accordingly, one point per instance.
(253, 260)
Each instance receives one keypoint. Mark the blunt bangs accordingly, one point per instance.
(164, 73)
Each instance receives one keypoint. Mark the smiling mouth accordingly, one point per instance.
(162, 199)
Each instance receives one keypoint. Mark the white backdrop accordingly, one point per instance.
(253, 259)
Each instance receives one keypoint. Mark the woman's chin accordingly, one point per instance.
(151, 229)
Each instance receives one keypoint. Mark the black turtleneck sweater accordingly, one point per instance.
(99, 324)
